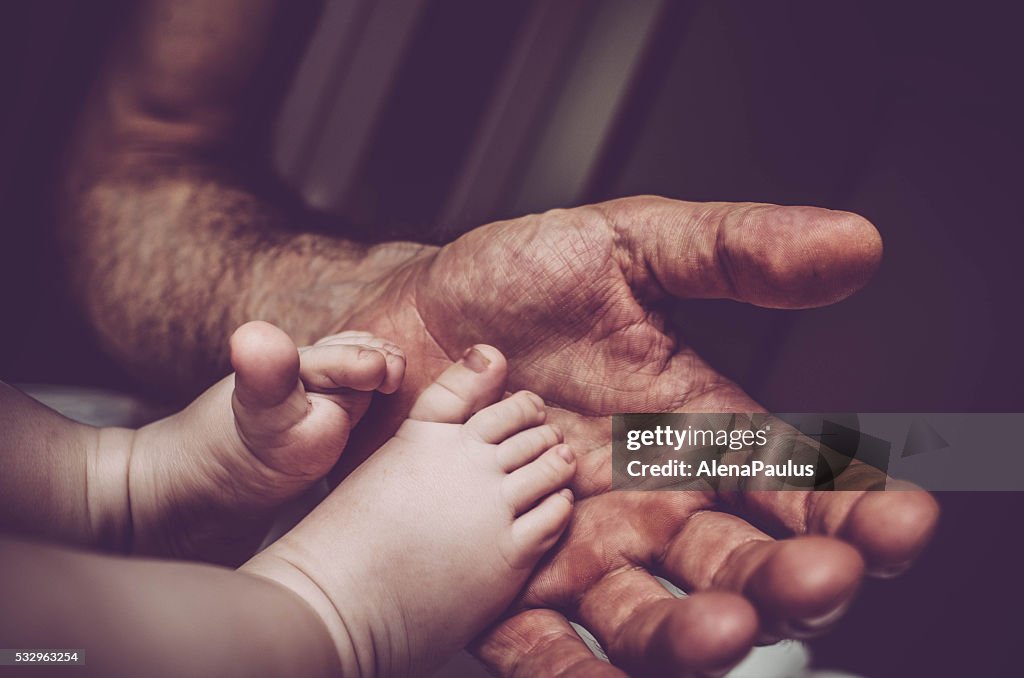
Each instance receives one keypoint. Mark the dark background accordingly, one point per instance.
(908, 113)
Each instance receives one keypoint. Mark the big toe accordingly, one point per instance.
(266, 364)
(474, 382)
(269, 399)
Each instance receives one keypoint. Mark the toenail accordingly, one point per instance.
(566, 454)
(475, 360)
(567, 493)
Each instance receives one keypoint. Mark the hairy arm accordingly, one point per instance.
(173, 239)
(172, 249)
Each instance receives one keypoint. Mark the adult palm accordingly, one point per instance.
(574, 298)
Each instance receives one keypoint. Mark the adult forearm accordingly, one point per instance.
(169, 260)
(174, 233)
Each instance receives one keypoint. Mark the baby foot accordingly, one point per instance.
(430, 539)
(205, 482)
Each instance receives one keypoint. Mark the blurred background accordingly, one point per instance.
(421, 120)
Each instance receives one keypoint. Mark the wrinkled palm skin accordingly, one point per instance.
(574, 299)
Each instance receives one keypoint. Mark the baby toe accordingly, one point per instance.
(549, 472)
(525, 446)
(474, 382)
(346, 337)
(536, 531)
(497, 422)
(330, 367)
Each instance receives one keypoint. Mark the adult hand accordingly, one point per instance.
(573, 298)
(171, 251)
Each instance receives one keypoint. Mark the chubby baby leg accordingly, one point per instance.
(430, 539)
